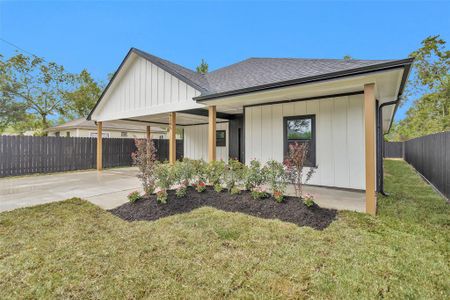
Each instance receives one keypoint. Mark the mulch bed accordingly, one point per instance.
(290, 210)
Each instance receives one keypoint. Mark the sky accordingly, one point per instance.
(96, 35)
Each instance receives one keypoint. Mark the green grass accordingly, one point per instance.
(73, 249)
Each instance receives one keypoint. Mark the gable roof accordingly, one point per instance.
(255, 74)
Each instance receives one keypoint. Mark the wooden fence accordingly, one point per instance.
(430, 156)
(20, 155)
(393, 150)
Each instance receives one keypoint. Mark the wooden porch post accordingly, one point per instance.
(99, 146)
(172, 138)
(369, 129)
(211, 133)
(149, 136)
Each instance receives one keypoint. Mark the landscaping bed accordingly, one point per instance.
(290, 210)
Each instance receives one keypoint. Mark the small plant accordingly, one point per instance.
(145, 159)
(214, 171)
(161, 196)
(199, 169)
(235, 190)
(278, 196)
(181, 191)
(254, 175)
(134, 196)
(233, 173)
(183, 171)
(276, 178)
(295, 163)
(218, 187)
(259, 193)
(308, 200)
(200, 186)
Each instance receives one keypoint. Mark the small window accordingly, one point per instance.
(68, 134)
(57, 133)
(221, 138)
(123, 134)
(301, 129)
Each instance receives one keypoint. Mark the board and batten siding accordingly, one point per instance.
(145, 89)
(196, 142)
(339, 137)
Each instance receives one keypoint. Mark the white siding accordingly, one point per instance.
(196, 142)
(145, 89)
(339, 137)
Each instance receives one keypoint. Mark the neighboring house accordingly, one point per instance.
(255, 108)
(87, 128)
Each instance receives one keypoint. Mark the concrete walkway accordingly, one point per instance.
(106, 189)
(110, 188)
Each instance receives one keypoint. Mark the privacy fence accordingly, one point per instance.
(20, 155)
(429, 155)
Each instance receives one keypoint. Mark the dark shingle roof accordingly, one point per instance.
(255, 72)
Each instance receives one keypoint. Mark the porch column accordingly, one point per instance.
(99, 146)
(369, 130)
(211, 133)
(172, 138)
(149, 137)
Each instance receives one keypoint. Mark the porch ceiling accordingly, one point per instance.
(162, 120)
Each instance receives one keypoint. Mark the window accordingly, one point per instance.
(68, 134)
(123, 134)
(301, 129)
(221, 138)
(57, 133)
(94, 134)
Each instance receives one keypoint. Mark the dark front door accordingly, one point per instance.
(236, 148)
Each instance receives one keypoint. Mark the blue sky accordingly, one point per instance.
(97, 35)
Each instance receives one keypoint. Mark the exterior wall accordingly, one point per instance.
(145, 89)
(196, 142)
(339, 137)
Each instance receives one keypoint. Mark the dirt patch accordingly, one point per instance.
(290, 210)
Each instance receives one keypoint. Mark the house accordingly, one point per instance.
(255, 108)
(87, 128)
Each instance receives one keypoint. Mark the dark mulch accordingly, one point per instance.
(290, 210)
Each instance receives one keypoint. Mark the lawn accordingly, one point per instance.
(73, 249)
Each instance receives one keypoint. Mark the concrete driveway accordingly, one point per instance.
(107, 189)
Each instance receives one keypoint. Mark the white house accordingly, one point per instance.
(87, 128)
(253, 109)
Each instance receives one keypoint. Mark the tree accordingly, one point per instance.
(429, 113)
(347, 57)
(203, 67)
(34, 84)
(82, 99)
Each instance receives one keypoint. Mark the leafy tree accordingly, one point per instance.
(10, 111)
(203, 67)
(82, 99)
(430, 113)
(34, 84)
(347, 57)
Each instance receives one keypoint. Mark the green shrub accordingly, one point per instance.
(164, 175)
(134, 196)
(276, 178)
(235, 190)
(234, 172)
(259, 193)
(161, 196)
(254, 175)
(308, 200)
(181, 191)
(200, 186)
(214, 172)
(183, 171)
(218, 187)
(199, 169)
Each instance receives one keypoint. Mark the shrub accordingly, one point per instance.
(235, 190)
(214, 171)
(161, 196)
(259, 193)
(134, 196)
(183, 171)
(276, 178)
(199, 169)
(145, 159)
(181, 191)
(218, 187)
(295, 163)
(233, 173)
(308, 200)
(254, 175)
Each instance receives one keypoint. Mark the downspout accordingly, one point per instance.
(380, 146)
